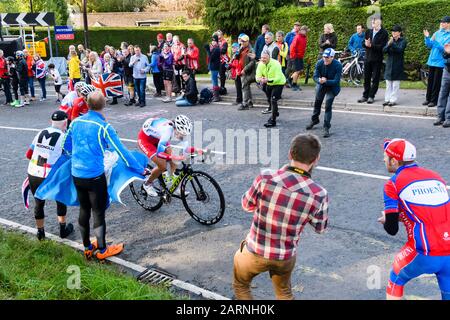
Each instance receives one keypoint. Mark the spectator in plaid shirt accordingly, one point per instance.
(282, 204)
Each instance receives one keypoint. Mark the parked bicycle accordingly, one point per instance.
(200, 193)
(352, 67)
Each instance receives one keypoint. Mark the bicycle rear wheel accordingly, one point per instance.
(205, 202)
(357, 73)
(147, 202)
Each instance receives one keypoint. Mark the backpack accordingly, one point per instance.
(206, 96)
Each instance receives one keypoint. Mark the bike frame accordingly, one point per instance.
(185, 172)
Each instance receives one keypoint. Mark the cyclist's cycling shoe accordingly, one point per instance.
(110, 251)
(88, 253)
(151, 191)
(66, 231)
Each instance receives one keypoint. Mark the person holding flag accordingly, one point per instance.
(40, 71)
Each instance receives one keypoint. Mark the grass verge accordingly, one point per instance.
(44, 270)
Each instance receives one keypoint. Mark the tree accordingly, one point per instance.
(114, 5)
(59, 7)
(195, 9)
(354, 3)
(235, 16)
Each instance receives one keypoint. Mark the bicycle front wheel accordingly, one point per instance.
(203, 198)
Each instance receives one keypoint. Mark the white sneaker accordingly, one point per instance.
(42, 99)
(177, 192)
(167, 100)
(26, 103)
(151, 191)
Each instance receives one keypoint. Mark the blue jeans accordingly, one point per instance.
(215, 78)
(42, 84)
(443, 106)
(321, 93)
(182, 102)
(139, 87)
(31, 85)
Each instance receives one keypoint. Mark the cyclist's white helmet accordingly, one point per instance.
(87, 89)
(183, 125)
(79, 85)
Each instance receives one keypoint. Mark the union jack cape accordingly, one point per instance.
(110, 84)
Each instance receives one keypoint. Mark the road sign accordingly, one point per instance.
(25, 19)
(39, 46)
(64, 33)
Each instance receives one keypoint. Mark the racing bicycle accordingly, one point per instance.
(201, 195)
(352, 67)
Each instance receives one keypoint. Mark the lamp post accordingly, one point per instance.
(85, 23)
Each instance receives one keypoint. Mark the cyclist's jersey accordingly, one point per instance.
(79, 108)
(69, 99)
(421, 198)
(47, 148)
(161, 130)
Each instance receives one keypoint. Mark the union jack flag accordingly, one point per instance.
(41, 72)
(109, 83)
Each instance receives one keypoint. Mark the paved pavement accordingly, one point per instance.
(410, 100)
(350, 261)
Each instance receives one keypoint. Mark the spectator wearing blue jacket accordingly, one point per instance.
(260, 41)
(356, 40)
(141, 67)
(156, 71)
(436, 60)
(327, 75)
(86, 140)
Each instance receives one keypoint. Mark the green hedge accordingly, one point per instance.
(143, 36)
(413, 16)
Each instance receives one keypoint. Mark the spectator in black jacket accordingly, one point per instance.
(22, 72)
(327, 40)
(375, 40)
(213, 52)
(189, 95)
(128, 76)
(394, 71)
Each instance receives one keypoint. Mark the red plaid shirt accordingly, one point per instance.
(283, 203)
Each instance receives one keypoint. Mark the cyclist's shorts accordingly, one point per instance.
(147, 144)
(410, 264)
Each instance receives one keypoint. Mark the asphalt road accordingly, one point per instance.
(336, 265)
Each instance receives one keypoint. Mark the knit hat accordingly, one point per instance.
(245, 38)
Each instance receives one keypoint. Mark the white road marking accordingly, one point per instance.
(130, 265)
(343, 111)
(343, 171)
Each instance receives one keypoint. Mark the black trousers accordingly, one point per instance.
(6, 83)
(158, 82)
(372, 75)
(223, 75)
(93, 197)
(238, 85)
(434, 84)
(273, 94)
(61, 208)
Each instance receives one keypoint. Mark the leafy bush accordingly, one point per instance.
(142, 36)
(412, 15)
(354, 3)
